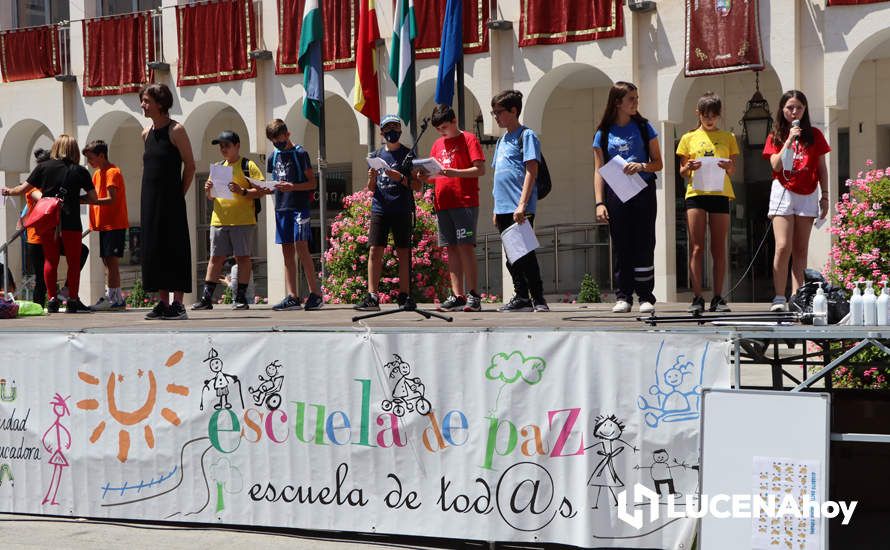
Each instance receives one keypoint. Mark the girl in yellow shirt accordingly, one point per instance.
(707, 208)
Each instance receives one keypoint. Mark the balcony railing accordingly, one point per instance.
(64, 53)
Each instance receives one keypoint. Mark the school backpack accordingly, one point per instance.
(257, 203)
(543, 181)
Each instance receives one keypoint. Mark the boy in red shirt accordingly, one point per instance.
(108, 217)
(457, 205)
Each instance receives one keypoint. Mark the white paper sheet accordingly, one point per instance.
(519, 239)
(430, 165)
(221, 176)
(377, 163)
(781, 478)
(709, 177)
(625, 187)
(264, 184)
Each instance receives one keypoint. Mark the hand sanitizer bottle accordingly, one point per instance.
(883, 306)
(856, 318)
(869, 306)
(820, 308)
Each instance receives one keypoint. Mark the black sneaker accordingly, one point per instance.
(370, 303)
(453, 303)
(540, 305)
(157, 312)
(718, 304)
(697, 307)
(517, 304)
(240, 304)
(289, 303)
(314, 302)
(474, 302)
(176, 312)
(52, 306)
(205, 303)
(76, 306)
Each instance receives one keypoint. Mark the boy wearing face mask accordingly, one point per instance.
(392, 209)
(289, 164)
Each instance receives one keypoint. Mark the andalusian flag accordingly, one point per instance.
(366, 98)
(310, 61)
(401, 57)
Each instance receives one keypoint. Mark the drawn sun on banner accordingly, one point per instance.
(132, 418)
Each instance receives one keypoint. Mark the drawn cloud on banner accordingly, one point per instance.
(509, 368)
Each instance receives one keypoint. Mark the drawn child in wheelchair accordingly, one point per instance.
(269, 388)
(408, 393)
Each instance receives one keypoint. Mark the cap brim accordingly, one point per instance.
(218, 141)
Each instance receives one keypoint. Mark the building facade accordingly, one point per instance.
(838, 55)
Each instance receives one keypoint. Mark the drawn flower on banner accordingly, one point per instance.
(127, 419)
(513, 366)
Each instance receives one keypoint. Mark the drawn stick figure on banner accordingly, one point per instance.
(221, 382)
(608, 429)
(57, 459)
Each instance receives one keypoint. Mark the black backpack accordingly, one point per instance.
(257, 203)
(543, 181)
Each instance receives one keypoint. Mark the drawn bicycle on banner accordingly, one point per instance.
(408, 394)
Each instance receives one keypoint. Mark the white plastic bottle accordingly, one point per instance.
(856, 318)
(883, 306)
(820, 308)
(869, 306)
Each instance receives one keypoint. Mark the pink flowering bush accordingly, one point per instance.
(861, 251)
(347, 257)
(861, 227)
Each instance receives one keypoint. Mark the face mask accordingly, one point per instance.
(280, 145)
(392, 136)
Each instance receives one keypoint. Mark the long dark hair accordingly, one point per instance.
(708, 104)
(616, 95)
(782, 127)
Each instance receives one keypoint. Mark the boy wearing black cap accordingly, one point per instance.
(233, 224)
(392, 209)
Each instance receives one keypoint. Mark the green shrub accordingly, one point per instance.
(590, 291)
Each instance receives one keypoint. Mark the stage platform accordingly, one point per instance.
(339, 316)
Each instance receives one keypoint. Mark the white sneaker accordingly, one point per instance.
(621, 306)
(779, 304)
(647, 307)
(104, 304)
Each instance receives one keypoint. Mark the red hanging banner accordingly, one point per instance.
(853, 2)
(561, 21)
(430, 16)
(340, 34)
(26, 54)
(117, 51)
(215, 41)
(722, 36)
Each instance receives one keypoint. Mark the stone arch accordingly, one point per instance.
(536, 101)
(15, 152)
(200, 119)
(840, 94)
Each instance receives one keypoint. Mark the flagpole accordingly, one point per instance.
(413, 84)
(322, 154)
(461, 108)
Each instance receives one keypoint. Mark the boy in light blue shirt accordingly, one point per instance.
(516, 161)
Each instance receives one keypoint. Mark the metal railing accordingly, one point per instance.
(559, 243)
(65, 49)
(157, 30)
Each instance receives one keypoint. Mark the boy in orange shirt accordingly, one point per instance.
(109, 218)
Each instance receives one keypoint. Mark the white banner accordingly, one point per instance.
(487, 436)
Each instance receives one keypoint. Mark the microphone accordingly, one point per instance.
(795, 124)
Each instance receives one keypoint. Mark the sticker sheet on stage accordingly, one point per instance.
(500, 435)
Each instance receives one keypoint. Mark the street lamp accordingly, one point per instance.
(757, 120)
(484, 139)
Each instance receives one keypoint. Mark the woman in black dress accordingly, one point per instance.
(168, 170)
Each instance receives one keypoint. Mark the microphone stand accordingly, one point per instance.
(406, 168)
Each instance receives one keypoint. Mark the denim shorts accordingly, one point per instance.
(292, 226)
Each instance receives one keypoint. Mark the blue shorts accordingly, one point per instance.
(292, 226)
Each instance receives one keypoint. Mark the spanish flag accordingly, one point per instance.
(366, 98)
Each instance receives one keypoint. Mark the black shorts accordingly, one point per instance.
(111, 243)
(712, 204)
(400, 224)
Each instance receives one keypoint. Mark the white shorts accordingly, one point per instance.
(784, 202)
